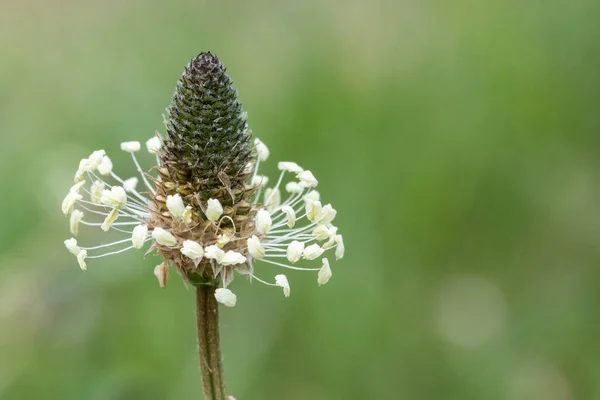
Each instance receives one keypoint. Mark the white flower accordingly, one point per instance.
(105, 167)
(259, 180)
(214, 210)
(139, 235)
(163, 237)
(272, 198)
(324, 273)
(130, 184)
(287, 225)
(153, 145)
(263, 221)
(115, 197)
(232, 258)
(96, 191)
(192, 249)
(294, 251)
(339, 250)
(313, 251)
(76, 217)
(225, 297)
(289, 166)
(290, 215)
(307, 178)
(213, 252)
(261, 149)
(161, 271)
(175, 205)
(255, 249)
(69, 202)
(281, 281)
(81, 259)
(71, 245)
(130, 147)
(294, 187)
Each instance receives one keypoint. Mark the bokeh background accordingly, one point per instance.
(459, 141)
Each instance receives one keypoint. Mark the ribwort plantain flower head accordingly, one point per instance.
(203, 207)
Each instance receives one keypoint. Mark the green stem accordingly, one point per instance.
(209, 348)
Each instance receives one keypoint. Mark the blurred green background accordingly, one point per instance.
(459, 141)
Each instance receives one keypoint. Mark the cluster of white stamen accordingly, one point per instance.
(286, 230)
(299, 227)
(110, 202)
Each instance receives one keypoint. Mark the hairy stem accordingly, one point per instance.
(209, 347)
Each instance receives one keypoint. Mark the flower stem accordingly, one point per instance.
(209, 348)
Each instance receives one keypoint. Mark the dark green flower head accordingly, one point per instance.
(208, 143)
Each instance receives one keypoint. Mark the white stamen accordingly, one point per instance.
(290, 215)
(313, 195)
(76, 217)
(153, 145)
(272, 199)
(139, 235)
(256, 249)
(95, 159)
(339, 251)
(327, 214)
(105, 166)
(294, 251)
(110, 218)
(192, 249)
(332, 233)
(163, 237)
(313, 251)
(161, 271)
(224, 238)
(321, 232)
(281, 281)
(71, 245)
(293, 187)
(130, 184)
(225, 297)
(289, 167)
(69, 202)
(75, 188)
(214, 210)
(263, 221)
(83, 168)
(313, 210)
(81, 259)
(261, 149)
(232, 258)
(259, 180)
(213, 252)
(96, 191)
(187, 214)
(307, 178)
(115, 197)
(175, 206)
(324, 273)
(130, 147)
